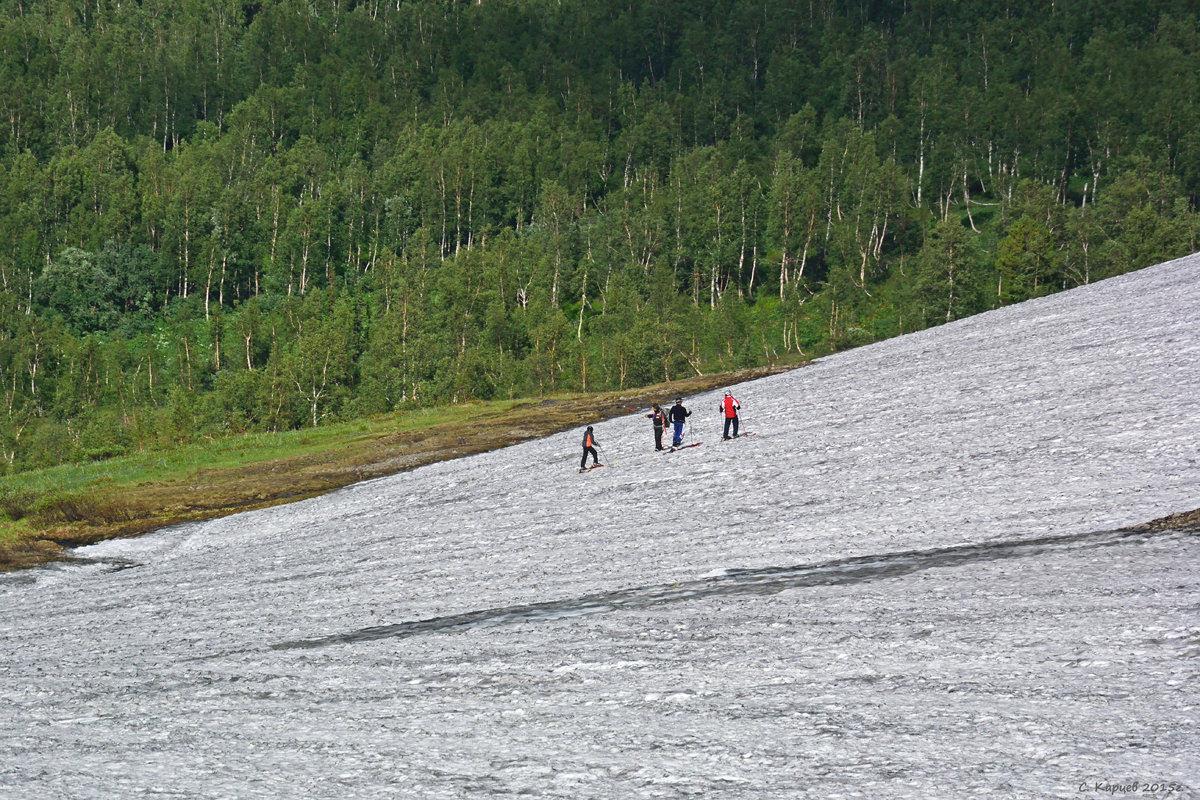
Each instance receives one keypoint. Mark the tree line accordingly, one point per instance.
(219, 217)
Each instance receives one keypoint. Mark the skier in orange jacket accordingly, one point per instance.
(659, 417)
(589, 446)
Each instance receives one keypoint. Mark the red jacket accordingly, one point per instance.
(730, 406)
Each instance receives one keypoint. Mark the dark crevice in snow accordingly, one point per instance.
(759, 581)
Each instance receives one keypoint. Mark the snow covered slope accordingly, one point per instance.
(909, 583)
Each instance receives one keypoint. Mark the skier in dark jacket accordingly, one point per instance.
(679, 415)
(589, 446)
(660, 421)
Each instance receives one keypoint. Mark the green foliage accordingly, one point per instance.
(948, 283)
(79, 290)
(232, 217)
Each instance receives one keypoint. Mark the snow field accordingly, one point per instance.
(856, 602)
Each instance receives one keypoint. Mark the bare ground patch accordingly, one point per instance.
(1183, 521)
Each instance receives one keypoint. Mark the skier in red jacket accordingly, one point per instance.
(730, 406)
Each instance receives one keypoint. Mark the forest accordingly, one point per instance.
(221, 216)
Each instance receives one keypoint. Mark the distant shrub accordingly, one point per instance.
(90, 508)
(16, 504)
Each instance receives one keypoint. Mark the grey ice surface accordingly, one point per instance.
(911, 583)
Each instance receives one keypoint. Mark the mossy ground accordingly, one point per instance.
(45, 513)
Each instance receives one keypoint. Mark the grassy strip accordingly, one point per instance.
(46, 512)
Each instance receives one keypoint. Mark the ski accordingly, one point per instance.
(592, 467)
(683, 447)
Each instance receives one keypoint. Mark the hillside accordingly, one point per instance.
(47, 513)
(921, 578)
(218, 218)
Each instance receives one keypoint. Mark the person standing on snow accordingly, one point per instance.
(679, 415)
(659, 417)
(730, 406)
(589, 446)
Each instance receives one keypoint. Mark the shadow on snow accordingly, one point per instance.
(760, 581)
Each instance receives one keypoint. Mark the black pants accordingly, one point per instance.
(728, 420)
(595, 457)
(658, 438)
